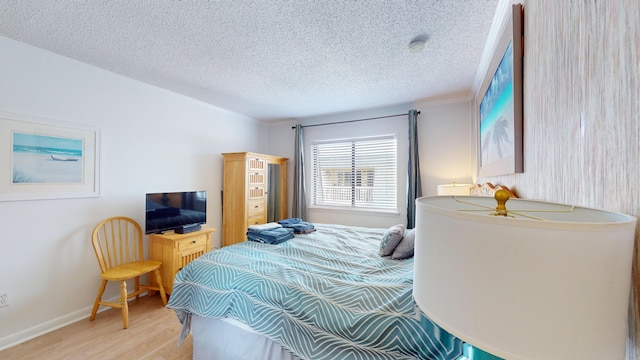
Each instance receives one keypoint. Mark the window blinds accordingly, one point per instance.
(357, 173)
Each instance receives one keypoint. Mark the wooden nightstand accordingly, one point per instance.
(177, 250)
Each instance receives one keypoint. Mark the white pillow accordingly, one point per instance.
(404, 250)
(391, 239)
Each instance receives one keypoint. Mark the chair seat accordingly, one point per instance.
(130, 270)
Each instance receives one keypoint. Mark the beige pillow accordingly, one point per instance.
(391, 239)
(404, 250)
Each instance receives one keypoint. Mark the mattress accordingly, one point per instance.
(230, 339)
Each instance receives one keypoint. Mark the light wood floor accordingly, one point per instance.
(152, 334)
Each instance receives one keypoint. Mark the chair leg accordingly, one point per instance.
(125, 306)
(163, 295)
(137, 287)
(96, 305)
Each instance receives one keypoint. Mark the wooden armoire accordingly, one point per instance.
(254, 192)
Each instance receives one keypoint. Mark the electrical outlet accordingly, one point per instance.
(5, 297)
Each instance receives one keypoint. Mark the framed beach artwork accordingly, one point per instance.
(43, 159)
(500, 109)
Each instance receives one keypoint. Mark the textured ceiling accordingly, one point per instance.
(269, 59)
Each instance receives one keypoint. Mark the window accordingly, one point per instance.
(356, 173)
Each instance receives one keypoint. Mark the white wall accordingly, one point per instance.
(445, 146)
(152, 140)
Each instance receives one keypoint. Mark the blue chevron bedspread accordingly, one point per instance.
(323, 295)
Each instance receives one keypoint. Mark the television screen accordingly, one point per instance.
(172, 210)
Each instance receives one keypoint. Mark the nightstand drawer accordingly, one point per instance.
(195, 241)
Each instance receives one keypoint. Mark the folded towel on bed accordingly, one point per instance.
(267, 226)
(305, 231)
(298, 226)
(289, 221)
(272, 236)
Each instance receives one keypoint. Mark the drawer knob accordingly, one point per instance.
(194, 241)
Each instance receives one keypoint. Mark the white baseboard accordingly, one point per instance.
(51, 325)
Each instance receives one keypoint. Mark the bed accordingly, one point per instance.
(323, 295)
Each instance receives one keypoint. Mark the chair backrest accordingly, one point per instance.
(116, 241)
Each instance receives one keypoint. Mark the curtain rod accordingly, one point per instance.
(349, 121)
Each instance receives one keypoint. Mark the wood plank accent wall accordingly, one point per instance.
(582, 113)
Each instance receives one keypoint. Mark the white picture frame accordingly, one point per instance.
(47, 159)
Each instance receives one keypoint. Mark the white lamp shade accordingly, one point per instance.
(521, 288)
(454, 189)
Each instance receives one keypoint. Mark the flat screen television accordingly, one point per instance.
(175, 211)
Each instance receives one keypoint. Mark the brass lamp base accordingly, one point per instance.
(501, 196)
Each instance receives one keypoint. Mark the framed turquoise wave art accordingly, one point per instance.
(500, 110)
(47, 159)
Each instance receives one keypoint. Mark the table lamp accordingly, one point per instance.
(527, 279)
(454, 189)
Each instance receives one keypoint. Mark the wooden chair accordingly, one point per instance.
(117, 242)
